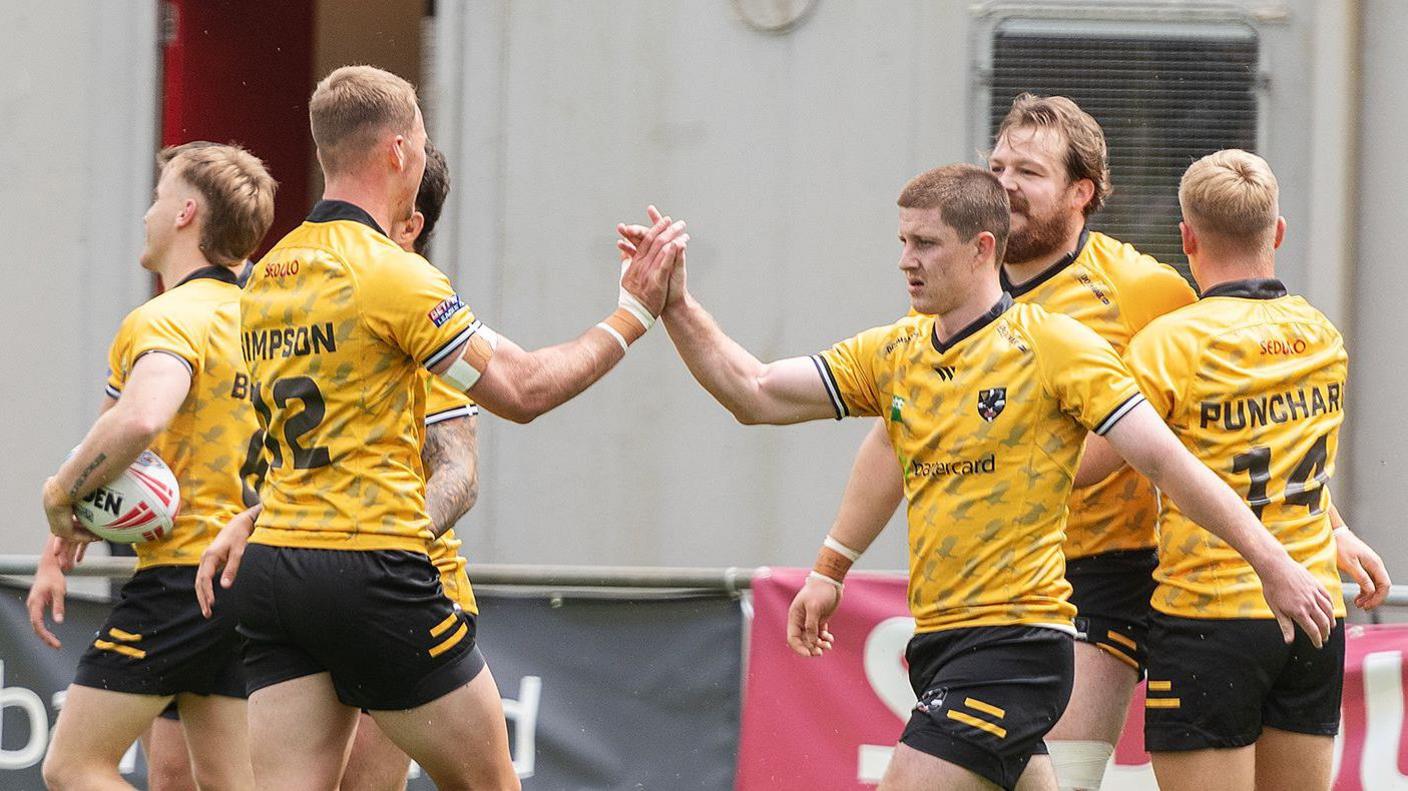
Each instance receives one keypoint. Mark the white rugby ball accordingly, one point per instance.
(138, 505)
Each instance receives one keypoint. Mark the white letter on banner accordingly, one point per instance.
(523, 715)
(884, 669)
(33, 707)
(1383, 721)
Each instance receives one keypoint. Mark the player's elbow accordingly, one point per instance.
(142, 424)
(519, 413)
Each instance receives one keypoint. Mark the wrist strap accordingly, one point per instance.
(819, 577)
(624, 326)
(831, 543)
(1340, 529)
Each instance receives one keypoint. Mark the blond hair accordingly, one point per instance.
(1231, 194)
(238, 193)
(1086, 154)
(970, 200)
(354, 104)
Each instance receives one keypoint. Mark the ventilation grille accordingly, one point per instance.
(1163, 101)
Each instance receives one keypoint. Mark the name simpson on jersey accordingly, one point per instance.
(289, 342)
(939, 469)
(1237, 414)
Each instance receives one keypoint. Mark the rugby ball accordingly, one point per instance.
(138, 505)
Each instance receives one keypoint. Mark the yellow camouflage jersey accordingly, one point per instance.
(988, 429)
(337, 324)
(1115, 290)
(1252, 381)
(443, 403)
(213, 442)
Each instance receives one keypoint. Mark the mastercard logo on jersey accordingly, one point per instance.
(139, 505)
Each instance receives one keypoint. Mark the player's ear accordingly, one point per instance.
(1280, 233)
(1084, 190)
(986, 246)
(1190, 239)
(187, 215)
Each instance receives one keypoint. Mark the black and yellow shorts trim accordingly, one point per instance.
(1215, 683)
(376, 620)
(156, 642)
(987, 695)
(1111, 592)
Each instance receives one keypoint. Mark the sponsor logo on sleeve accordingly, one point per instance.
(441, 313)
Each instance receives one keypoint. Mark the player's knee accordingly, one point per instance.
(1079, 765)
(63, 773)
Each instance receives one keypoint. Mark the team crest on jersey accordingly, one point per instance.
(441, 313)
(991, 403)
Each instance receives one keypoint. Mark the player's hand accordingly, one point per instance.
(808, 619)
(1364, 566)
(70, 554)
(58, 510)
(47, 591)
(225, 552)
(653, 254)
(1298, 599)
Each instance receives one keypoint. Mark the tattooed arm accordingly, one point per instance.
(451, 458)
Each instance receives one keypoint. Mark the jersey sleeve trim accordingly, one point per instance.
(1120, 411)
(452, 344)
(189, 368)
(829, 381)
(450, 414)
(112, 392)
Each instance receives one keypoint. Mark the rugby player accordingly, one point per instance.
(176, 385)
(987, 402)
(1251, 379)
(450, 458)
(336, 596)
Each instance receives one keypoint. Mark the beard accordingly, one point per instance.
(1042, 236)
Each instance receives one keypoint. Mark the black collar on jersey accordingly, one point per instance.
(1049, 272)
(245, 273)
(220, 273)
(329, 210)
(977, 324)
(1253, 288)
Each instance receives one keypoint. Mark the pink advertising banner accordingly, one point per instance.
(831, 722)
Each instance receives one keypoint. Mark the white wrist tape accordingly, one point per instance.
(627, 302)
(610, 330)
(1079, 764)
(818, 576)
(1341, 529)
(837, 546)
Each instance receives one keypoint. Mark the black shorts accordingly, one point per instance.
(1111, 592)
(156, 642)
(377, 621)
(987, 695)
(1216, 683)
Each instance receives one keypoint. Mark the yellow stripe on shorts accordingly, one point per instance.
(452, 641)
(125, 650)
(968, 719)
(444, 625)
(986, 708)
